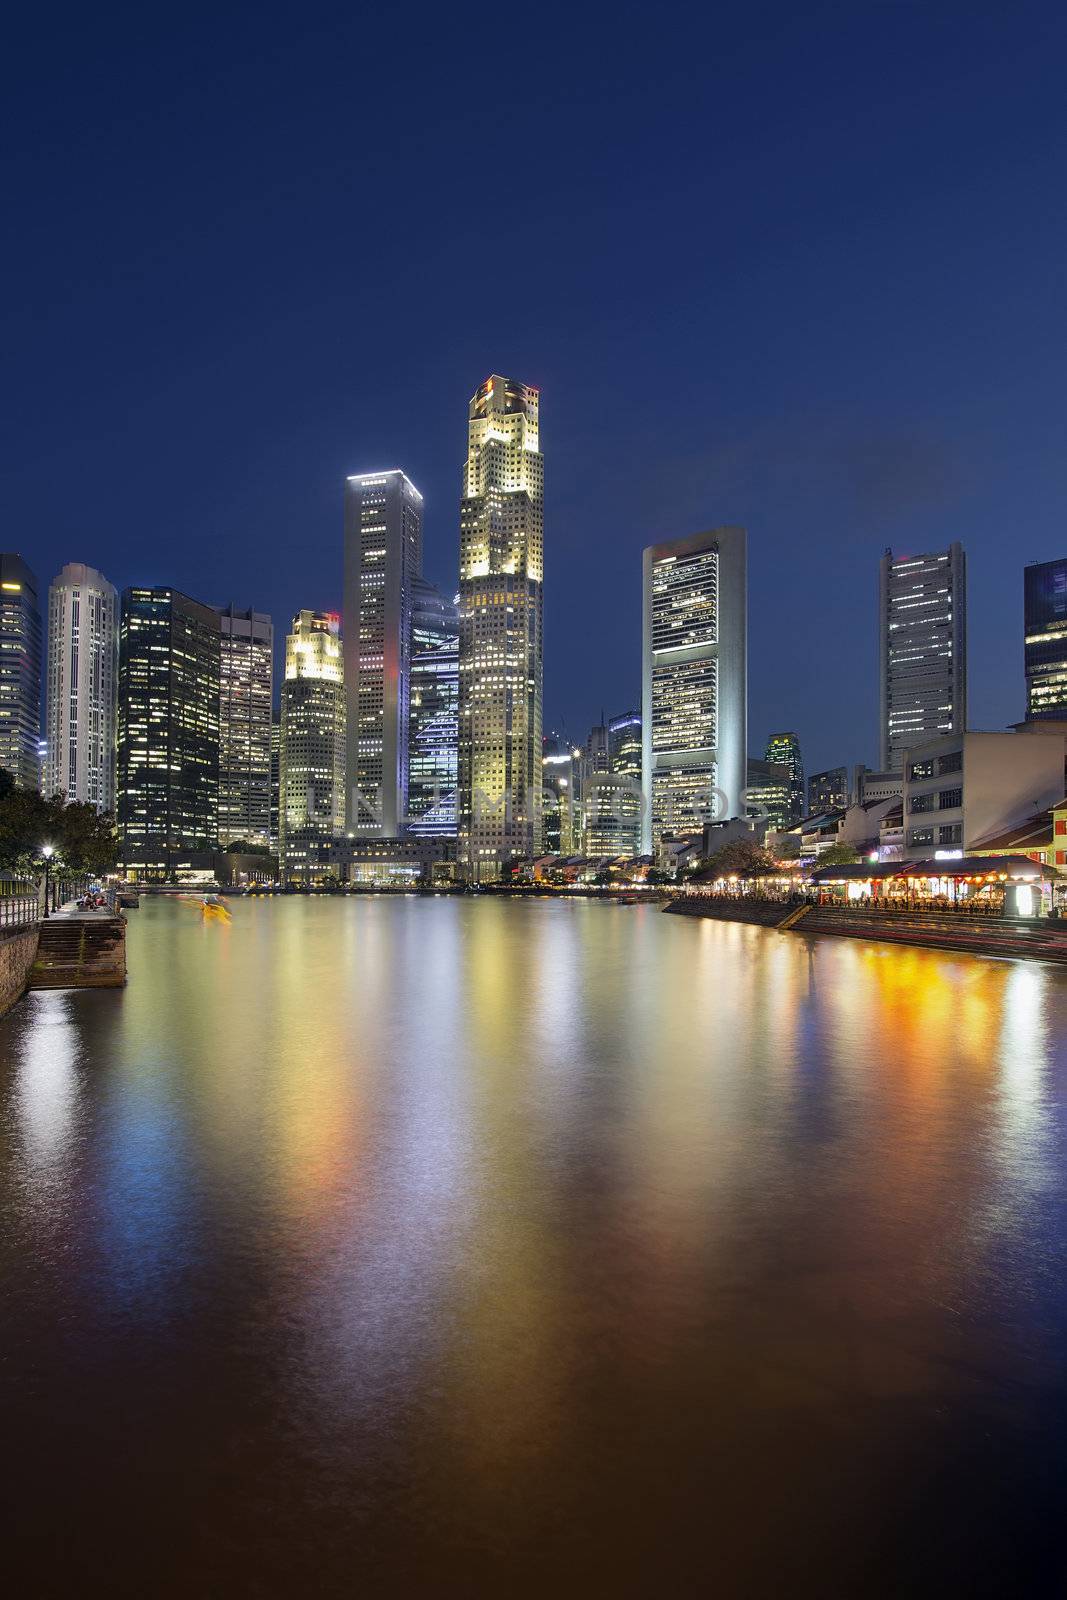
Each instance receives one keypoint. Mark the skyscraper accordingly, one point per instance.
(923, 649)
(311, 807)
(783, 749)
(383, 557)
(770, 793)
(433, 725)
(246, 692)
(561, 800)
(20, 671)
(81, 699)
(612, 787)
(828, 791)
(275, 777)
(1045, 634)
(625, 743)
(695, 696)
(168, 729)
(501, 618)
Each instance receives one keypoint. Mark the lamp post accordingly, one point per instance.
(47, 850)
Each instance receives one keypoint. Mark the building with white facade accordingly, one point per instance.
(81, 687)
(501, 629)
(383, 558)
(433, 715)
(695, 696)
(922, 649)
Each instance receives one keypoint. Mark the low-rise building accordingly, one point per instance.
(962, 788)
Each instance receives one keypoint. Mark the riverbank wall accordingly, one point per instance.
(1033, 938)
(18, 951)
(80, 953)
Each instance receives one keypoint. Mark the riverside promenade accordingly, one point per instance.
(1036, 938)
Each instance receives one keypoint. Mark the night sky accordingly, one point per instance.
(797, 267)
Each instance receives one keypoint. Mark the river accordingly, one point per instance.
(491, 1247)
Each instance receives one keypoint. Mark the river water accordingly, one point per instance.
(490, 1247)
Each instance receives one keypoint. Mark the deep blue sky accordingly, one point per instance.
(798, 267)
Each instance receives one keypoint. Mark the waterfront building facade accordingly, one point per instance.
(783, 749)
(275, 777)
(501, 629)
(828, 791)
(922, 649)
(695, 697)
(433, 715)
(81, 695)
(1045, 638)
(168, 730)
(961, 788)
(383, 558)
(246, 693)
(311, 802)
(20, 671)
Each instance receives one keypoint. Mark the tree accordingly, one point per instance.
(741, 858)
(83, 840)
(838, 855)
(245, 847)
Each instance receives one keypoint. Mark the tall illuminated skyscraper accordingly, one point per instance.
(246, 690)
(81, 701)
(168, 730)
(923, 649)
(695, 696)
(433, 722)
(501, 619)
(20, 672)
(311, 805)
(383, 558)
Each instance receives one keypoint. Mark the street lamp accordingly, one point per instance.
(47, 850)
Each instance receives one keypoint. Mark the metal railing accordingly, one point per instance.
(19, 910)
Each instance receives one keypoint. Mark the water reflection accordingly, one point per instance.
(574, 1236)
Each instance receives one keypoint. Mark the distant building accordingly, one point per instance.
(871, 786)
(923, 649)
(561, 802)
(501, 620)
(694, 709)
(246, 693)
(20, 671)
(433, 717)
(383, 558)
(311, 806)
(1045, 633)
(828, 791)
(770, 796)
(783, 749)
(81, 699)
(962, 788)
(168, 730)
(625, 743)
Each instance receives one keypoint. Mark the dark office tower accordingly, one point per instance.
(828, 791)
(923, 650)
(168, 729)
(20, 672)
(311, 813)
(783, 749)
(383, 557)
(246, 691)
(1045, 604)
(501, 559)
(770, 793)
(433, 719)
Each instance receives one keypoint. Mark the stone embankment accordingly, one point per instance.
(1037, 938)
(18, 951)
(81, 952)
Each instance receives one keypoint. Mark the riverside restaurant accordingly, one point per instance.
(1011, 886)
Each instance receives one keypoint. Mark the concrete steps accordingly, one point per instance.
(80, 953)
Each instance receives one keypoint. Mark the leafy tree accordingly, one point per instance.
(245, 847)
(838, 855)
(741, 858)
(83, 840)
